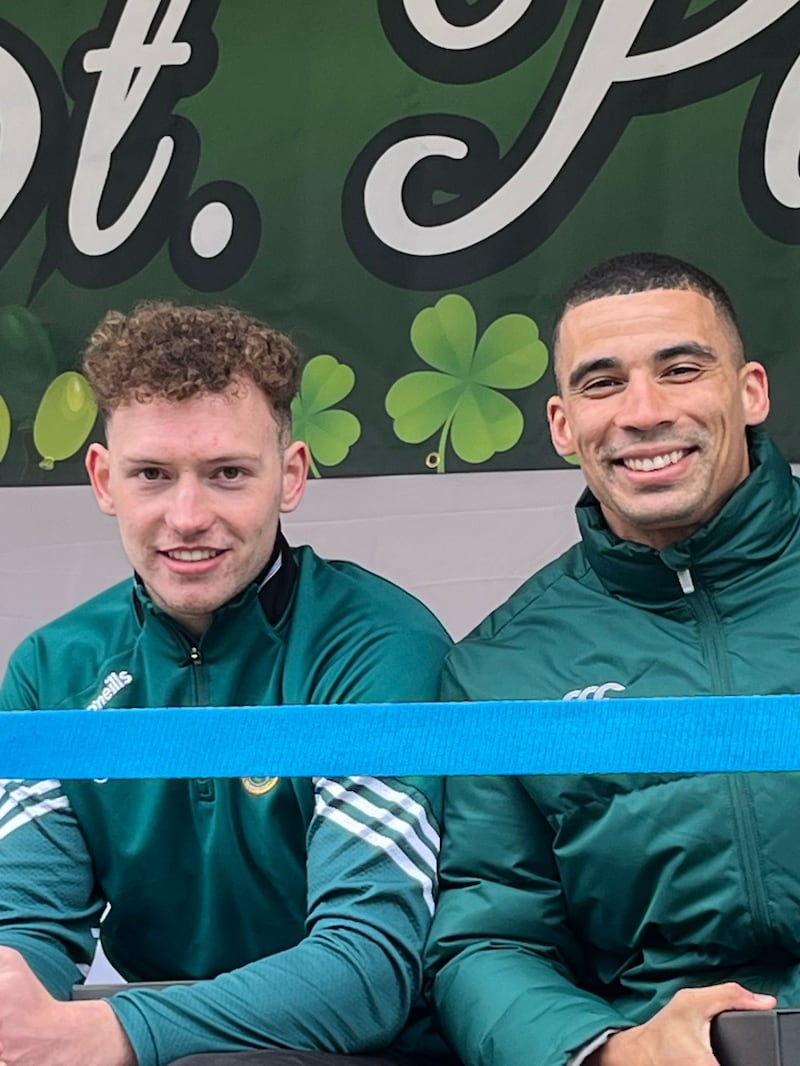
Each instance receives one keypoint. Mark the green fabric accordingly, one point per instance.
(312, 900)
(574, 904)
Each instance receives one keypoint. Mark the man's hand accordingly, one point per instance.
(679, 1035)
(37, 1030)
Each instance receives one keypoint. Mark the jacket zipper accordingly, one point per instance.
(203, 786)
(741, 801)
(738, 787)
(713, 647)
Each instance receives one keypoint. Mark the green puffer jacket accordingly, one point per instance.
(574, 904)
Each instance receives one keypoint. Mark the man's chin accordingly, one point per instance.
(655, 514)
(184, 608)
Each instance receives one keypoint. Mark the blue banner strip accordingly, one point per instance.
(708, 735)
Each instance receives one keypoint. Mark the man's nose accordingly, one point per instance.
(189, 511)
(644, 404)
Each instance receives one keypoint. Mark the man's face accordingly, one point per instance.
(655, 400)
(197, 487)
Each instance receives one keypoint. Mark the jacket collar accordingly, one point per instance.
(276, 581)
(751, 529)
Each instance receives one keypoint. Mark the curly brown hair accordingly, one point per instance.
(163, 350)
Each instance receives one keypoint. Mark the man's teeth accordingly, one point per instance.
(655, 463)
(195, 556)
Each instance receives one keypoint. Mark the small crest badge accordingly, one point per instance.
(259, 786)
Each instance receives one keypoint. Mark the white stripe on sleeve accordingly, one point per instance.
(30, 814)
(380, 814)
(378, 840)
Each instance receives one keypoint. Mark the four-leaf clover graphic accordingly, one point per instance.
(460, 396)
(328, 434)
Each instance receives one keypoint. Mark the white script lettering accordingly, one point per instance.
(127, 68)
(430, 23)
(20, 129)
(604, 61)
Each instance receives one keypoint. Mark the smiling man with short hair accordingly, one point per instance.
(654, 395)
(298, 907)
(606, 920)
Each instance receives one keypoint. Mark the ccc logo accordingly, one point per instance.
(594, 692)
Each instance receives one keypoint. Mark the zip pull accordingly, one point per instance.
(195, 657)
(685, 578)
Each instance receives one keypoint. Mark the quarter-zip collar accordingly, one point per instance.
(750, 530)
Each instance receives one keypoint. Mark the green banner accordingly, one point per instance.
(405, 186)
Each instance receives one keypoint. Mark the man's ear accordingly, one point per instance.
(97, 466)
(560, 433)
(755, 393)
(295, 475)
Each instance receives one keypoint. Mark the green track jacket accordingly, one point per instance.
(574, 904)
(310, 899)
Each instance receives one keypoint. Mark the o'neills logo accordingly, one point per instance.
(112, 684)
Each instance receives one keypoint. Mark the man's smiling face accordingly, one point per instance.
(655, 398)
(197, 487)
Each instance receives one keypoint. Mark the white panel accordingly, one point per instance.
(460, 542)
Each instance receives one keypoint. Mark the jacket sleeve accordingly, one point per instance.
(349, 985)
(373, 846)
(510, 981)
(48, 902)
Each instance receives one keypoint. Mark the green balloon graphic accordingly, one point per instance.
(64, 419)
(5, 428)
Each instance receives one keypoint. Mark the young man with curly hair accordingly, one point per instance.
(298, 907)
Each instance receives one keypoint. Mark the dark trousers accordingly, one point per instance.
(308, 1058)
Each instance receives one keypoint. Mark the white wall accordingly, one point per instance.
(461, 542)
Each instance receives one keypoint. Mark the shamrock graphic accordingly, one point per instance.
(328, 434)
(460, 396)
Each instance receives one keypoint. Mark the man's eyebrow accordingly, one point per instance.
(135, 459)
(674, 351)
(233, 460)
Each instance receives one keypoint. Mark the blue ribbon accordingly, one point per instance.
(699, 734)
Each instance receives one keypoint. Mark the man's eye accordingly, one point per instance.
(600, 386)
(230, 473)
(684, 371)
(150, 473)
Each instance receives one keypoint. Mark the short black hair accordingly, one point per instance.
(633, 272)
